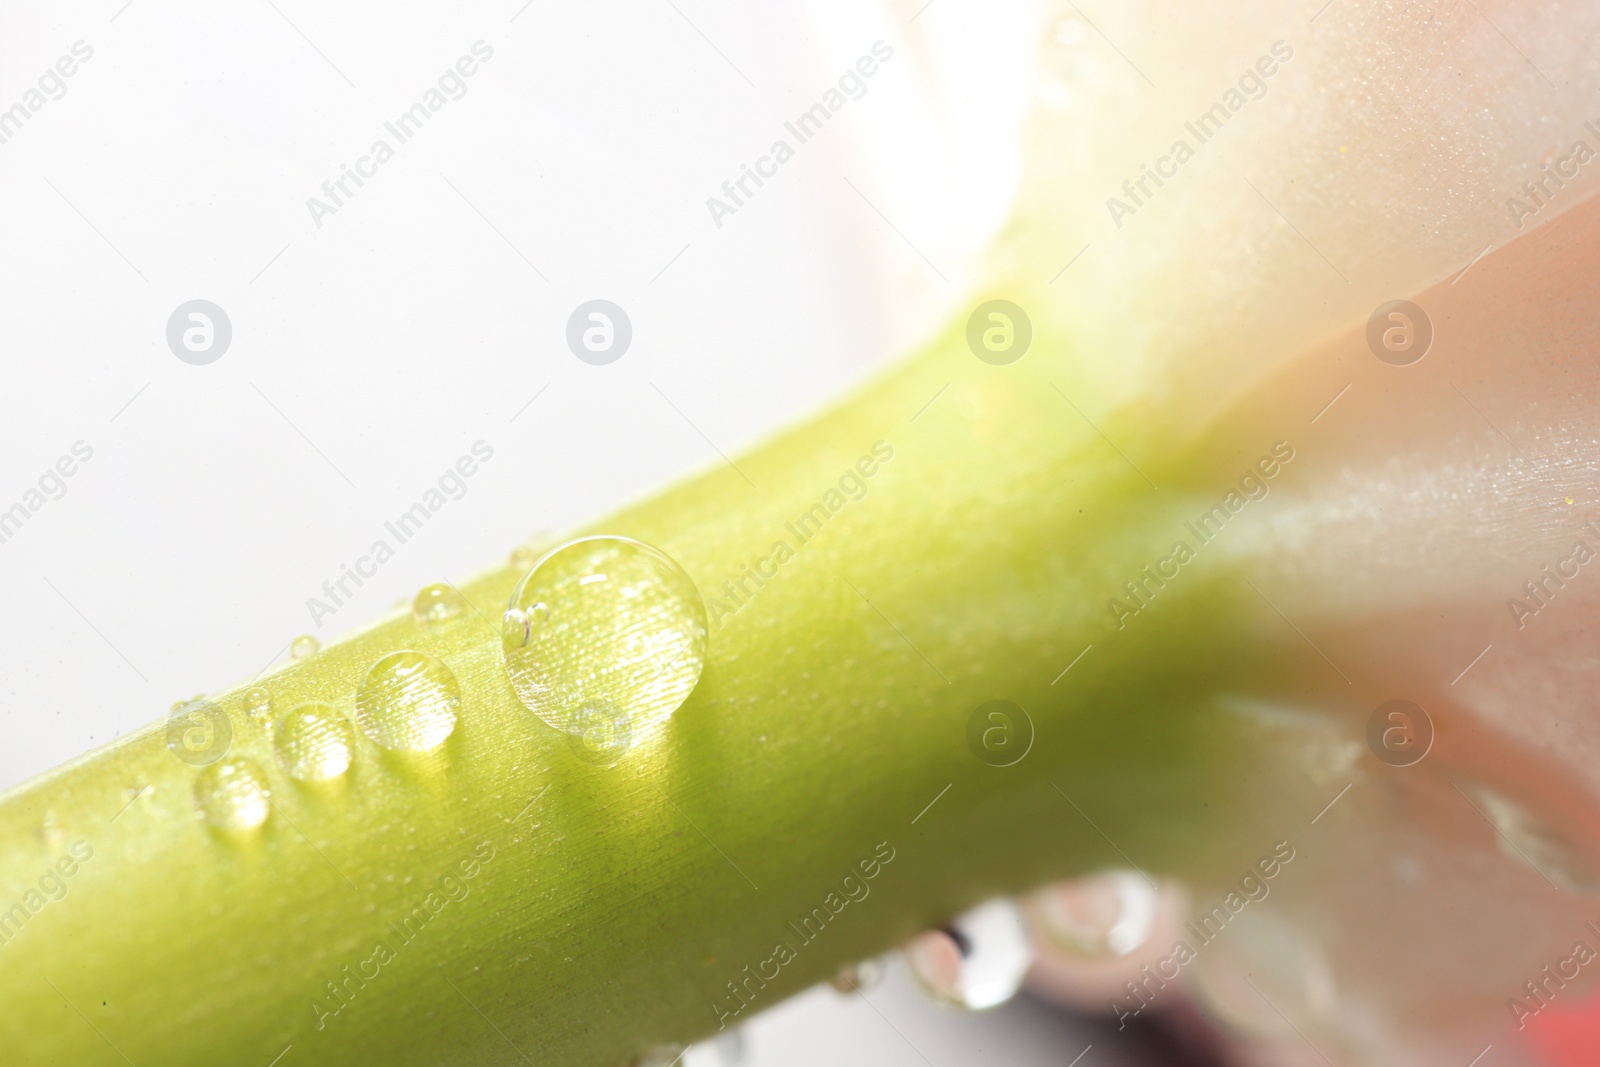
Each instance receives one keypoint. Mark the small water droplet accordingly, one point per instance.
(978, 961)
(303, 646)
(1098, 916)
(408, 702)
(313, 742)
(605, 619)
(232, 795)
(258, 702)
(522, 557)
(855, 977)
(437, 603)
(516, 626)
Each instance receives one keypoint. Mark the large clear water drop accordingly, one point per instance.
(605, 622)
(408, 702)
(313, 743)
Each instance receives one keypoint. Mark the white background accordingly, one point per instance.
(369, 353)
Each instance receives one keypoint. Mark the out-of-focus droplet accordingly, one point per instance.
(522, 558)
(855, 977)
(313, 743)
(1060, 82)
(258, 702)
(1069, 31)
(50, 831)
(304, 646)
(1100, 915)
(604, 620)
(437, 603)
(660, 1056)
(727, 1049)
(1408, 870)
(199, 732)
(408, 702)
(978, 961)
(232, 795)
(1531, 841)
(1316, 745)
(1265, 975)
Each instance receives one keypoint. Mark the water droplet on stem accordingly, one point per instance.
(232, 795)
(408, 702)
(604, 620)
(258, 702)
(437, 603)
(313, 743)
(854, 977)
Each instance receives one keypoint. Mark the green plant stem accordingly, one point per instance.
(830, 721)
